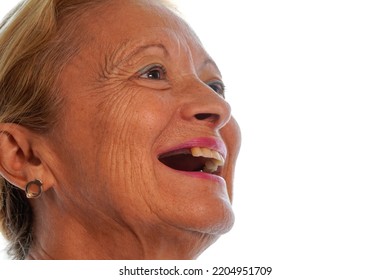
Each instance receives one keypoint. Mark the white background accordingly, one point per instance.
(309, 83)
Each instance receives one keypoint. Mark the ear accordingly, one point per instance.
(19, 163)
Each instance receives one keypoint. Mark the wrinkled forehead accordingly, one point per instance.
(122, 27)
(119, 21)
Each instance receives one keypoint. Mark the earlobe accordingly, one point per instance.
(17, 160)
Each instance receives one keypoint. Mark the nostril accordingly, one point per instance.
(207, 116)
(202, 117)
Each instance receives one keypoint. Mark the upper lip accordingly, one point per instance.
(211, 143)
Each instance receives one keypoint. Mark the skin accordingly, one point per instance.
(107, 196)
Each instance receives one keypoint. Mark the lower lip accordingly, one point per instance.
(203, 175)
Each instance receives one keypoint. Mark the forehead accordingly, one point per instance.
(133, 23)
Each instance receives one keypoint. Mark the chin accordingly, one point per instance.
(205, 231)
(215, 220)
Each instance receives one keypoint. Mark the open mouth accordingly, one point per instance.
(195, 159)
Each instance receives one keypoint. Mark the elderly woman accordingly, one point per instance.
(116, 141)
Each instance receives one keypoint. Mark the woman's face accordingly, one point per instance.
(146, 140)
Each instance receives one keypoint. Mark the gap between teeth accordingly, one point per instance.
(215, 159)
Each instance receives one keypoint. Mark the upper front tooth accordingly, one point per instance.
(196, 151)
(207, 153)
(218, 158)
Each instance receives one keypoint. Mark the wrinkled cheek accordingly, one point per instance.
(124, 137)
(122, 168)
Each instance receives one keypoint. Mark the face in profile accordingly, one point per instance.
(145, 145)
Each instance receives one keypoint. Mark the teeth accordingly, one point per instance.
(210, 166)
(215, 158)
(196, 152)
(207, 153)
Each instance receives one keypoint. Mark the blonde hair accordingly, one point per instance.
(35, 42)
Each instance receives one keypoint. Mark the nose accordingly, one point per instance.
(205, 107)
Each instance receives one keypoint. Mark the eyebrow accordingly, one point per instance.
(121, 52)
(114, 59)
(209, 61)
(145, 47)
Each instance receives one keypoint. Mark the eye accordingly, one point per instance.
(153, 72)
(218, 87)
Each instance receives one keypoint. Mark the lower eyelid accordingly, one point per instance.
(153, 84)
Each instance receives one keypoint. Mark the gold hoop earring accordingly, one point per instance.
(33, 189)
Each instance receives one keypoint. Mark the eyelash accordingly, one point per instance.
(147, 73)
(218, 87)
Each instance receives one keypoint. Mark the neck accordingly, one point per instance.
(59, 236)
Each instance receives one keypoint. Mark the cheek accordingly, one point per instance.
(125, 131)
